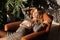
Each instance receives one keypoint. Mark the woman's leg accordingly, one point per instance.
(2, 34)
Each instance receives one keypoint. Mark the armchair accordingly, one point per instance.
(11, 26)
(33, 36)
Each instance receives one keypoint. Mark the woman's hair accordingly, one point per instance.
(40, 12)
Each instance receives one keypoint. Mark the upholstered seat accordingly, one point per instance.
(33, 36)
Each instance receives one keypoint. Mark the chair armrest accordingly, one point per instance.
(11, 26)
(32, 35)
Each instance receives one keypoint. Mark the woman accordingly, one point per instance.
(39, 21)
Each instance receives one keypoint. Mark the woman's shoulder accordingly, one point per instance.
(47, 16)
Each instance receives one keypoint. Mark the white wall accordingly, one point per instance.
(58, 1)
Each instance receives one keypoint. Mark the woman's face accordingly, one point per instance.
(35, 14)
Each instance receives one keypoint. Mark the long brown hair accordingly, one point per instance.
(40, 16)
(40, 12)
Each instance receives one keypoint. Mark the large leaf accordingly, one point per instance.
(14, 6)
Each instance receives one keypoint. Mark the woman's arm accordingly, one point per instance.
(48, 21)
